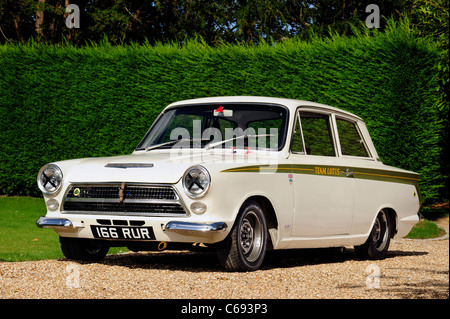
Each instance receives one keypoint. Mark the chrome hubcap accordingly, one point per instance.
(251, 236)
(376, 231)
(246, 236)
(380, 232)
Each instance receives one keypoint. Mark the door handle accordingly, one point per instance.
(347, 172)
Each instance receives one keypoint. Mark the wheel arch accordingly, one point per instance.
(269, 214)
(393, 219)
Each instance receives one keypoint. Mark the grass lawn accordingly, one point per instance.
(426, 229)
(20, 238)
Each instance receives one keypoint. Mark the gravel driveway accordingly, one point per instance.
(412, 269)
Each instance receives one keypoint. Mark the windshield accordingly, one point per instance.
(219, 126)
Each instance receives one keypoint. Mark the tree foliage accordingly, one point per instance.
(124, 21)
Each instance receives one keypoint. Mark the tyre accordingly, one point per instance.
(245, 247)
(82, 249)
(376, 246)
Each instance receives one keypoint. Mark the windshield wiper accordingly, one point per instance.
(152, 147)
(211, 145)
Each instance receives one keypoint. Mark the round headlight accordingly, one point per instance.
(196, 181)
(50, 179)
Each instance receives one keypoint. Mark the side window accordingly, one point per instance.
(297, 142)
(352, 143)
(317, 134)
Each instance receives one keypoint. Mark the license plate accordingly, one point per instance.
(129, 233)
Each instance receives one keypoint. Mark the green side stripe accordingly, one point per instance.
(327, 170)
(335, 171)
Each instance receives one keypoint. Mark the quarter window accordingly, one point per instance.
(297, 143)
(317, 134)
(352, 143)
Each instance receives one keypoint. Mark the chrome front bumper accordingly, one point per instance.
(56, 223)
(179, 231)
(186, 228)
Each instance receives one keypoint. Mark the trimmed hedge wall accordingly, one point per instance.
(63, 102)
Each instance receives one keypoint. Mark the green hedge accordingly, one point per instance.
(62, 102)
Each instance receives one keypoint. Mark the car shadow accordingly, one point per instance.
(207, 260)
(307, 257)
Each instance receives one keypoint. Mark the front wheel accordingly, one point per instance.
(82, 249)
(245, 247)
(377, 244)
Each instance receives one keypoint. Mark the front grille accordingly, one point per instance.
(130, 192)
(123, 199)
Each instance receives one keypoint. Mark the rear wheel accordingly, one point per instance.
(245, 247)
(376, 246)
(82, 249)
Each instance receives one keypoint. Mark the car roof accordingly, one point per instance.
(291, 104)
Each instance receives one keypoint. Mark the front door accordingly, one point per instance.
(323, 188)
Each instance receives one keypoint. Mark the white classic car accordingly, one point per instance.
(239, 174)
